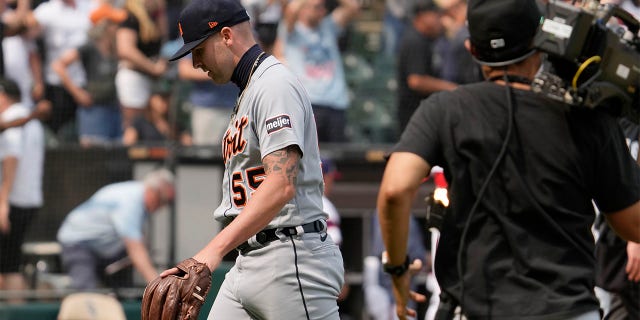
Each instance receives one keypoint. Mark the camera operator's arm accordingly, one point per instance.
(402, 178)
(626, 222)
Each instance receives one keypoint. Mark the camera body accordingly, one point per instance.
(593, 62)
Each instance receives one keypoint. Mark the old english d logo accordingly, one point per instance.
(233, 141)
(212, 24)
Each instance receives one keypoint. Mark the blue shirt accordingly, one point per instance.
(313, 55)
(113, 213)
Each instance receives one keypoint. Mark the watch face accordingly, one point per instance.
(384, 258)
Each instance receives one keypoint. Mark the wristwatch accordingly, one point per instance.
(394, 270)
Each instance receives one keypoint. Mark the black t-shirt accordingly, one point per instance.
(150, 49)
(147, 132)
(529, 248)
(101, 72)
(414, 57)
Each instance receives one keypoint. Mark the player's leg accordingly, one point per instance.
(298, 279)
(226, 305)
(320, 274)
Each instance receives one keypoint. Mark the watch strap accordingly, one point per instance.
(396, 270)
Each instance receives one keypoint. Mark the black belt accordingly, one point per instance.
(267, 235)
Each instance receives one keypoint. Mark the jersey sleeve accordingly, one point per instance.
(280, 116)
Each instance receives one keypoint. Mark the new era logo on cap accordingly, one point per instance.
(202, 18)
(497, 43)
(501, 31)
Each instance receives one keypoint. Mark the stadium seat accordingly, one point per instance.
(94, 306)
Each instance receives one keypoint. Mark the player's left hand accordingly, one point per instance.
(403, 294)
(633, 262)
(180, 295)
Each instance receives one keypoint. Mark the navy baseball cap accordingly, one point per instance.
(202, 18)
(501, 31)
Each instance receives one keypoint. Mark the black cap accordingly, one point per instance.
(425, 5)
(10, 88)
(501, 31)
(202, 18)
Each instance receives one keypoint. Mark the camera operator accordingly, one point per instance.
(523, 170)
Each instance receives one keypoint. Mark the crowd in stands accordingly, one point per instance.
(102, 65)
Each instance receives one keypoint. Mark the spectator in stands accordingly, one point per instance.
(22, 61)
(13, 23)
(22, 156)
(308, 43)
(458, 65)
(139, 40)
(394, 22)
(153, 126)
(62, 25)
(418, 68)
(108, 227)
(98, 115)
(265, 16)
(211, 104)
(41, 111)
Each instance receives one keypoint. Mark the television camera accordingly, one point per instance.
(594, 53)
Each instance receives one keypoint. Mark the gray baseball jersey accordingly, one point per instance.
(298, 277)
(274, 113)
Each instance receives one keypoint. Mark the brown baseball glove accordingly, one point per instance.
(179, 296)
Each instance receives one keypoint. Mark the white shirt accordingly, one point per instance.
(26, 143)
(63, 28)
(16, 51)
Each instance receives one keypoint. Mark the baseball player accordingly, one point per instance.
(287, 267)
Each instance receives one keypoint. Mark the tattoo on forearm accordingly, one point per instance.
(283, 161)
